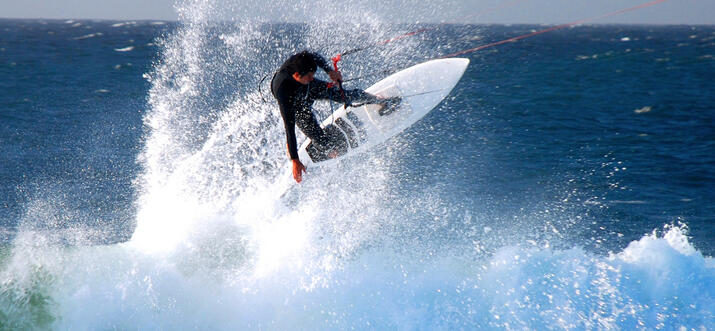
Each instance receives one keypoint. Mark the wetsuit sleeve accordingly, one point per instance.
(321, 62)
(289, 122)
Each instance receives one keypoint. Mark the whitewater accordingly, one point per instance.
(387, 240)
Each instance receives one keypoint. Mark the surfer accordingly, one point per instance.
(295, 88)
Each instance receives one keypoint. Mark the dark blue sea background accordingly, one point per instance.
(566, 182)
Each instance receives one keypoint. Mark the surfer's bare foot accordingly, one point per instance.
(333, 154)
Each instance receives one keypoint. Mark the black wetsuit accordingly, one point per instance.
(295, 101)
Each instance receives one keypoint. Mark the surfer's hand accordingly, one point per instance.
(298, 170)
(336, 76)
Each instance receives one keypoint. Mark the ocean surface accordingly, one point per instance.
(566, 183)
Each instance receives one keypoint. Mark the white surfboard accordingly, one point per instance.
(421, 87)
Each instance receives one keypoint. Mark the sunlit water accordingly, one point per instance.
(564, 184)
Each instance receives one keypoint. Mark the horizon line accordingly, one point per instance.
(297, 22)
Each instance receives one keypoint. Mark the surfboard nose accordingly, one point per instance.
(458, 61)
(454, 65)
(463, 61)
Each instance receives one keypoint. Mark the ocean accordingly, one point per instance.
(565, 183)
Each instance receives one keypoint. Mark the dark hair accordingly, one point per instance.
(302, 63)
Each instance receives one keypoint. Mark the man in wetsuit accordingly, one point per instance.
(296, 89)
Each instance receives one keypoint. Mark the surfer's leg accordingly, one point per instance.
(389, 105)
(332, 142)
(357, 96)
(320, 90)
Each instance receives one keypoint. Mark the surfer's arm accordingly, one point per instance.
(298, 170)
(289, 122)
(288, 113)
(292, 144)
(291, 141)
(321, 62)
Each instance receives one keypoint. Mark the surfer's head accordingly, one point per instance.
(303, 63)
(302, 67)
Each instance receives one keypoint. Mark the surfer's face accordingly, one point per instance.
(305, 79)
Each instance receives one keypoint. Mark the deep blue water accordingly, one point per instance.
(141, 150)
(71, 119)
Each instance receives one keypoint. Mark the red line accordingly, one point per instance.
(558, 27)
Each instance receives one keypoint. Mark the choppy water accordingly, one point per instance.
(566, 182)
